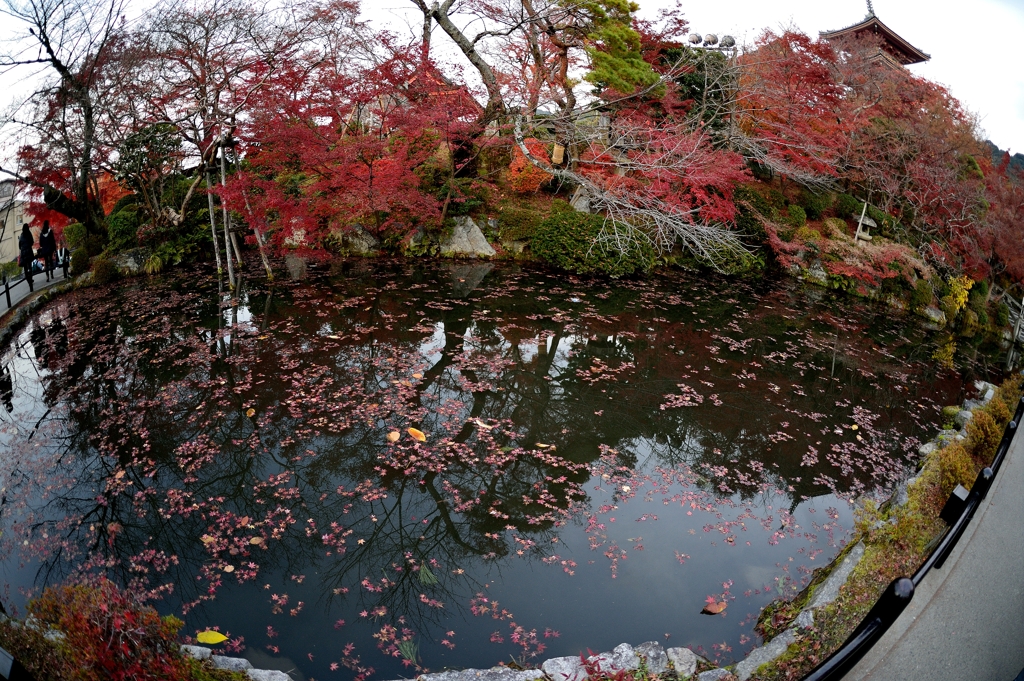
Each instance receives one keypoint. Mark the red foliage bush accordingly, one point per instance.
(111, 634)
(523, 176)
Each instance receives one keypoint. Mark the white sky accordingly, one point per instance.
(974, 45)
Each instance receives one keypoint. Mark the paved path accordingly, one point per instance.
(966, 621)
(20, 290)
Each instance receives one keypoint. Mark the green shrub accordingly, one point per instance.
(948, 414)
(833, 227)
(79, 262)
(806, 234)
(775, 198)
(124, 202)
(922, 296)
(980, 288)
(1002, 314)
(122, 230)
(983, 320)
(886, 223)
(815, 204)
(518, 224)
(103, 270)
(846, 206)
(74, 235)
(568, 239)
(956, 467)
(983, 436)
(94, 244)
(9, 270)
(797, 216)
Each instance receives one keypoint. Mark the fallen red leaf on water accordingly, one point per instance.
(713, 608)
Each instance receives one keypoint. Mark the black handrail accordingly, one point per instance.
(899, 593)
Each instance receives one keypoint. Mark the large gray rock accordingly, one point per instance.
(466, 241)
(962, 418)
(805, 620)
(986, 391)
(714, 675)
(493, 674)
(267, 675)
(829, 589)
(683, 660)
(564, 669)
(357, 241)
(232, 664)
(935, 316)
(766, 653)
(621, 658)
(198, 652)
(926, 449)
(580, 200)
(130, 261)
(654, 655)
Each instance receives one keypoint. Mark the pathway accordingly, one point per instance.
(20, 292)
(966, 620)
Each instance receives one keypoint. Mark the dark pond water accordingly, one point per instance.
(599, 459)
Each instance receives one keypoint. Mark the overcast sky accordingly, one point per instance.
(974, 45)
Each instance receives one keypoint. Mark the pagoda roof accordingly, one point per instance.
(900, 49)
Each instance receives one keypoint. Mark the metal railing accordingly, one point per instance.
(899, 593)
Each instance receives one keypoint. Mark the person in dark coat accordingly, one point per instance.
(47, 248)
(63, 257)
(26, 254)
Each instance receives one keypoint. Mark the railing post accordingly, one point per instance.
(7, 290)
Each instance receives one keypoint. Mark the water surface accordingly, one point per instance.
(599, 459)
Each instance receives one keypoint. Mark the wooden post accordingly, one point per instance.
(860, 223)
(7, 290)
(1020, 316)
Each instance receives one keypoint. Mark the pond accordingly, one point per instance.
(378, 464)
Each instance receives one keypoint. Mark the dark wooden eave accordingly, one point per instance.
(900, 49)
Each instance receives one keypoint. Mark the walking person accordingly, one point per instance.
(63, 257)
(47, 248)
(26, 254)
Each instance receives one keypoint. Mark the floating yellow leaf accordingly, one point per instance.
(211, 637)
(256, 540)
(854, 427)
(393, 436)
(207, 539)
(229, 568)
(541, 445)
(417, 434)
(417, 375)
(250, 412)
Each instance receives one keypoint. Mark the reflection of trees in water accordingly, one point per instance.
(329, 373)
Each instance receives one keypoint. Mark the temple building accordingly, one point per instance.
(893, 49)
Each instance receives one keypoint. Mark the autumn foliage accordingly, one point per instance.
(109, 634)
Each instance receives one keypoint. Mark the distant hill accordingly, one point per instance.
(1016, 160)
